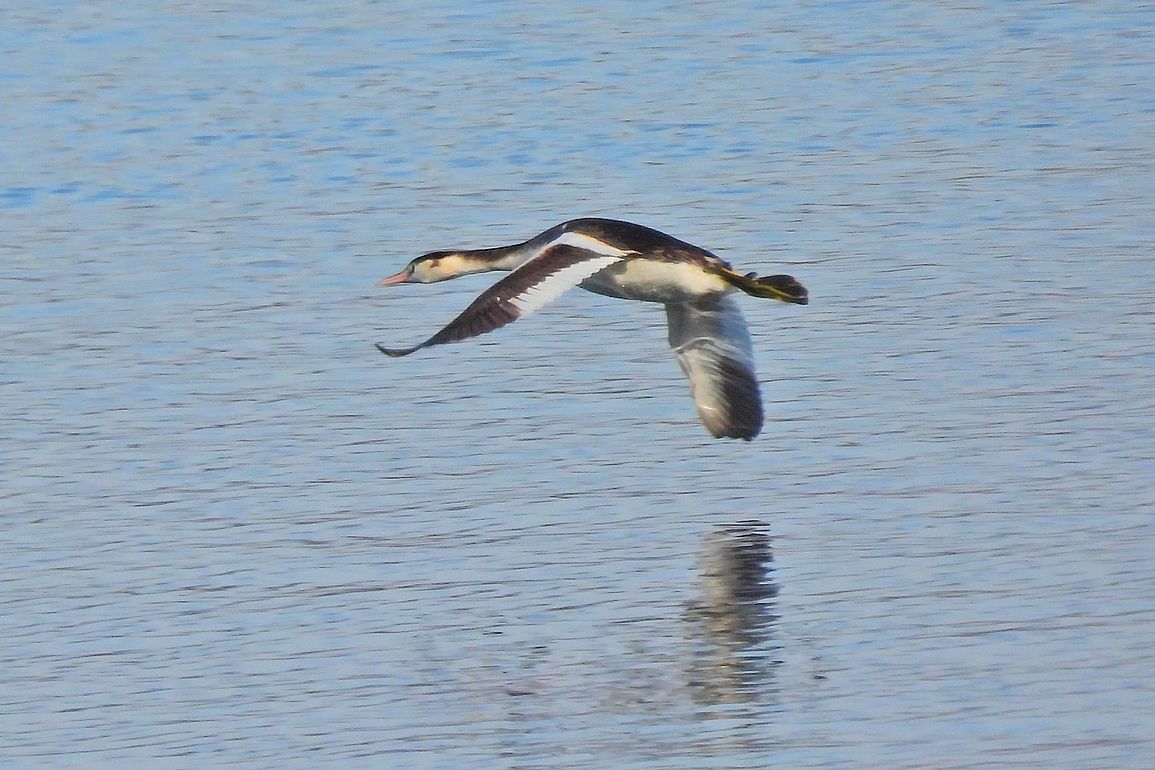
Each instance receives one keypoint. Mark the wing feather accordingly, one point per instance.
(710, 339)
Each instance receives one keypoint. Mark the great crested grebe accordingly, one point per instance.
(628, 261)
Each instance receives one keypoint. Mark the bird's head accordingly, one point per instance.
(433, 267)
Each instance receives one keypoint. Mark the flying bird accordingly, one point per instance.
(626, 261)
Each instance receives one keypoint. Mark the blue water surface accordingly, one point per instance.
(234, 535)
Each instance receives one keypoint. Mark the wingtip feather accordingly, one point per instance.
(395, 352)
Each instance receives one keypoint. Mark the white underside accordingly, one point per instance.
(652, 281)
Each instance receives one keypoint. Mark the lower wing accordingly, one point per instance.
(710, 339)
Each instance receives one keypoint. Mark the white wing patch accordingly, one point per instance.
(589, 243)
(541, 294)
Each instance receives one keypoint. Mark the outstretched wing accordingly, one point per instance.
(528, 288)
(710, 339)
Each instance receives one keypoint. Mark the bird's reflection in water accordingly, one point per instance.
(733, 622)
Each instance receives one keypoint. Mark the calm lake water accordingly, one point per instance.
(234, 535)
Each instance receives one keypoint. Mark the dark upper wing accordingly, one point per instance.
(712, 344)
(528, 288)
